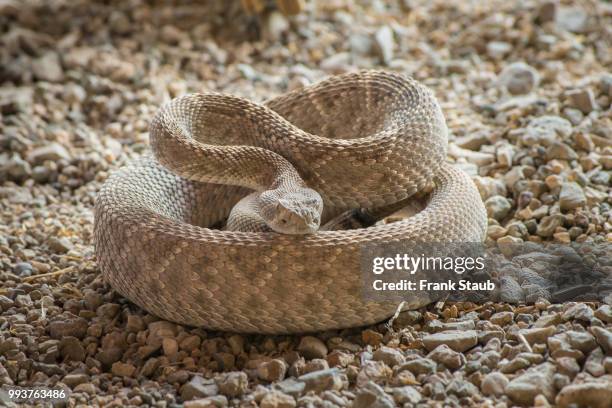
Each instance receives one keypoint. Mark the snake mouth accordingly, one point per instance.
(294, 224)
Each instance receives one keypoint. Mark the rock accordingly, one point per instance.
(339, 358)
(605, 83)
(178, 376)
(560, 347)
(71, 349)
(498, 49)
(567, 366)
(549, 224)
(537, 380)
(371, 337)
(170, 346)
(562, 237)
(561, 151)
(49, 369)
(604, 338)
(218, 401)
(578, 311)
(87, 388)
(419, 366)
(461, 388)
(113, 346)
(59, 245)
(581, 99)
(23, 301)
(583, 341)
(5, 303)
(23, 269)
(591, 394)
(276, 26)
(376, 371)
(48, 68)
(584, 142)
(236, 343)
(149, 367)
(17, 169)
(122, 369)
(68, 324)
(595, 363)
(159, 330)
(502, 318)
(457, 340)
(322, 380)
(573, 19)
(199, 387)
(519, 78)
(560, 381)
(16, 99)
(512, 366)
(16, 195)
(190, 343)
(291, 386)
(477, 158)
(311, 347)
(593, 196)
(336, 63)
(119, 23)
(547, 11)
(372, 396)
(361, 44)
(607, 364)
(273, 370)
(544, 130)
(494, 384)
(72, 380)
(497, 207)
(505, 155)
(575, 116)
(52, 151)
(495, 232)
(233, 384)
(472, 141)
(514, 176)
(384, 43)
(537, 335)
(444, 355)
(134, 323)
(604, 313)
(171, 34)
(108, 311)
(276, 399)
(406, 394)
(488, 187)
(93, 300)
(225, 361)
(389, 356)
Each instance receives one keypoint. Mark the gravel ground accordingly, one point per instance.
(526, 94)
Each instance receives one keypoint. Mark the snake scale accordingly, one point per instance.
(357, 140)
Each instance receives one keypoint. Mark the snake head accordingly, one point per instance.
(295, 212)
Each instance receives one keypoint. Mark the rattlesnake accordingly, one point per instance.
(358, 140)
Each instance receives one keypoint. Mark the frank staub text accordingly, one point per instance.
(403, 272)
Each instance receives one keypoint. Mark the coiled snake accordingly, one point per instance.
(358, 140)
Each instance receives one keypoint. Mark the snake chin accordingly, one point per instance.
(296, 212)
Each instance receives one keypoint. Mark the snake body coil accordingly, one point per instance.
(360, 140)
